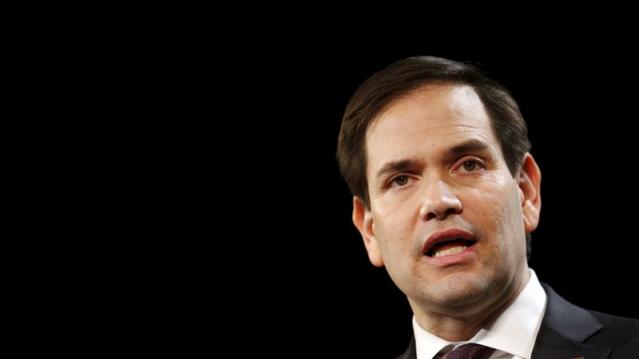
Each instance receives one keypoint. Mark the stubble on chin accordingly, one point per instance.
(458, 293)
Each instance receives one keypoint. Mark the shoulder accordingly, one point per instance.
(617, 323)
(622, 334)
(569, 324)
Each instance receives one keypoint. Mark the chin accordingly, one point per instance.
(459, 290)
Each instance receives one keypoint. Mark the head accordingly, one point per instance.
(444, 188)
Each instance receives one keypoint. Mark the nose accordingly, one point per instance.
(439, 202)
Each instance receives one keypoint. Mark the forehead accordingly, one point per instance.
(432, 118)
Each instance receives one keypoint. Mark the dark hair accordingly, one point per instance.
(401, 79)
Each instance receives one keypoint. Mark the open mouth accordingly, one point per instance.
(449, 247)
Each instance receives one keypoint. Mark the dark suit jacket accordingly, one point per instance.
(568, 332)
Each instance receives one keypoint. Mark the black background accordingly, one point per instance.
(197, 157)
(247, 222)
(309, 270)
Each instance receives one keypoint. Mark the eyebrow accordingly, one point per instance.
(396, 166)
(404, 165)
(472, 145)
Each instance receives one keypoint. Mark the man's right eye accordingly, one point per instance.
(400, 181)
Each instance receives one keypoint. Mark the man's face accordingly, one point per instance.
(447, 219)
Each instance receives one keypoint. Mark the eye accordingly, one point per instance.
(471, 165)
(399, 181)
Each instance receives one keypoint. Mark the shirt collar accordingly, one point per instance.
(514, 331)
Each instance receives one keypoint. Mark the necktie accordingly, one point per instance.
(467, 351)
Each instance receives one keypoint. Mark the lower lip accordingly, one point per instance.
(466, 256)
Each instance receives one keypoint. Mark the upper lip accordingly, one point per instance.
(446, 235)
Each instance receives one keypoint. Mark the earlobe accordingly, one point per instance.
(530, 192)
(363, 220)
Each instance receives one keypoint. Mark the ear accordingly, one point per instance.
(530, 192)
(363, 220)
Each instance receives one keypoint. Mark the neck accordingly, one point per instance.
(459, 324)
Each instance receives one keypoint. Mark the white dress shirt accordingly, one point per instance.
(512, 334)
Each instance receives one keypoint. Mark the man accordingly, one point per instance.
(446, 194)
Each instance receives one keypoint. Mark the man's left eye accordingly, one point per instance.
(470, 165)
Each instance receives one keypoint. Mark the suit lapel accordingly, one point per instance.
(565, 330)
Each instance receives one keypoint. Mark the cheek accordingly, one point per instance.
(393, 229)
(499, 217)
(512, 236)
(394, 220)
(391, 233)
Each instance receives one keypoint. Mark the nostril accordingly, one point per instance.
(452, 210)
(430, 216)
(441, 215)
